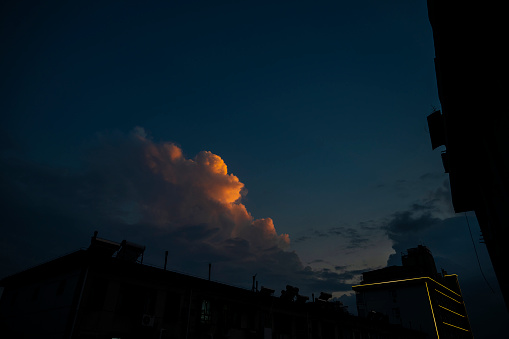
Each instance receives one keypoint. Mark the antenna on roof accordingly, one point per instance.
(253, 288)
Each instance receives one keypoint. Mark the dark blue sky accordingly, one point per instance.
(318, 108)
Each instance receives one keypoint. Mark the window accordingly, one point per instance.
(149, 297)
(129, 301)
(172, 306)
(394, 295)
(14, 298)
(205, 312)
(97, 294)
(35, 295)
(395, 312)
(61, 287)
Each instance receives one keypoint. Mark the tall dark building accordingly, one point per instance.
(471, 72)
(415, 296)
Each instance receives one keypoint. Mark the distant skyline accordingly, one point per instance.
(283, 139)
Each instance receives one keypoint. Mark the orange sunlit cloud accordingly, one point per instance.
(208, 195)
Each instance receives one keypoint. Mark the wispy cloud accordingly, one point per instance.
(355, 237)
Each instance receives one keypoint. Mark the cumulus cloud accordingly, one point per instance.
(192, 197)
(131, 187)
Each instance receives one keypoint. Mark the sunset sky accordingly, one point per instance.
(286, 139)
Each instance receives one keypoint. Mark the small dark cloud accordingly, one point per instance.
(369, 225)
(301, 239)
(407, 221)
(428, 205)
(432, 176)
(405, 188)
(420, 215)
(336, 231)
(357, 242)
(352, 235)
(324, 280)
(316, 261)
(351, 274)
(320, 234)
(195, 233)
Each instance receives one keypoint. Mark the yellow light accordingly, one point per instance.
(448, 296)
(432, 313)
(456, 327)
(460, 291)
(461, 315)
(420, 278)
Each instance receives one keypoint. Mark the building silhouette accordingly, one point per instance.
(470, 64)
(415, 296)
(106, 292)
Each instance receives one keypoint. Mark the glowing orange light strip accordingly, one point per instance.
(448, 296)
(432, 313)
(393, 281)
(448, 275)
(456, 327)
(461, 315)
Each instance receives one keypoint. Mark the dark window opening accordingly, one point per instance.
(394, 295)
(35, 295)
(14, 299)
(134, 301)
(98, 290)
(61, 287)
(149, 300)
(172, 306)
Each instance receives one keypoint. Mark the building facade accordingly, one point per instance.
(415, 296)
(472, 124)
(105, 292)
